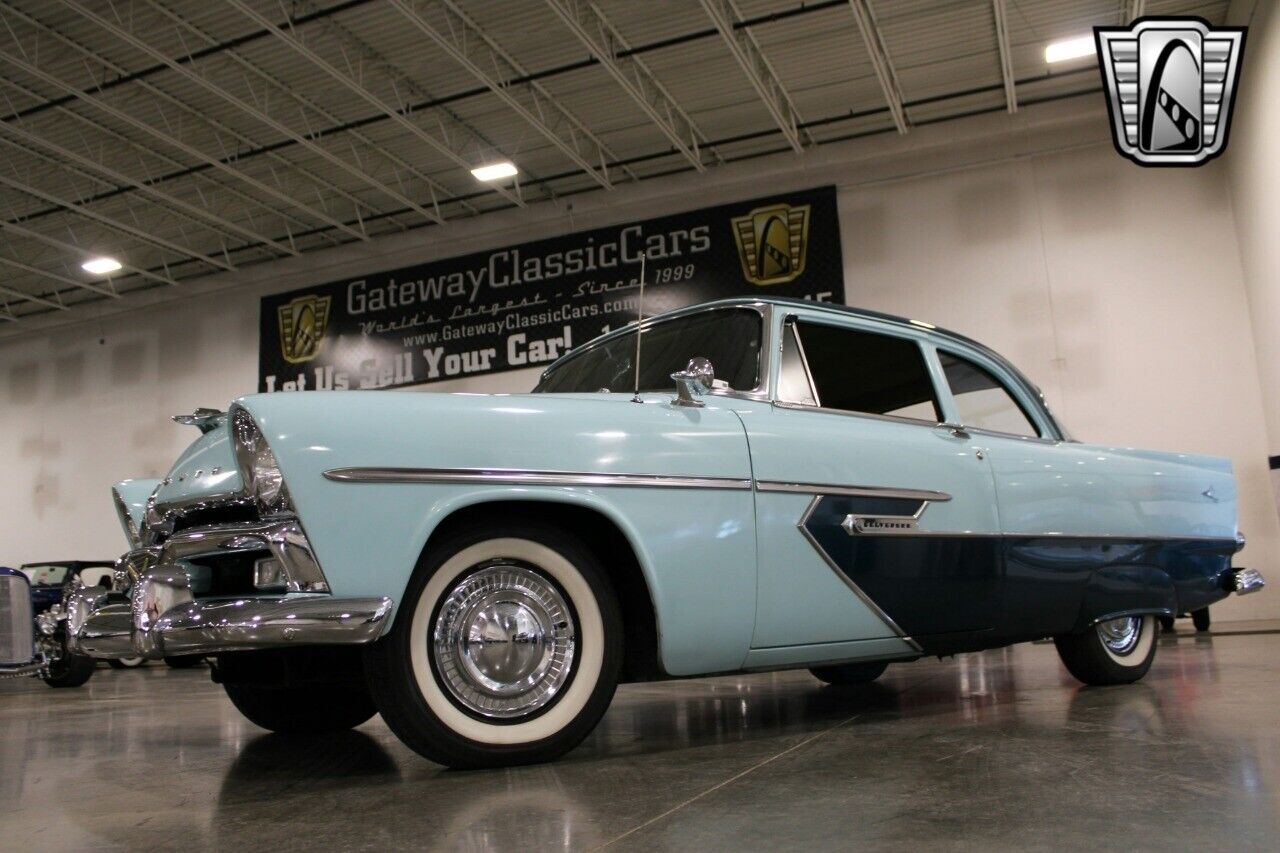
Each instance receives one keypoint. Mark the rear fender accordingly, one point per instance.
(1117, 591)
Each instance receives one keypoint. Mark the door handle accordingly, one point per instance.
(956, 430)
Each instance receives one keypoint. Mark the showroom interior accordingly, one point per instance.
(192, 194)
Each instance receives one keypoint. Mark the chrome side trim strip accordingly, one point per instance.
(857, 590)
(523, 477)
(851, 491)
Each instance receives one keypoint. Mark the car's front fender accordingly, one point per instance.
(695, 546)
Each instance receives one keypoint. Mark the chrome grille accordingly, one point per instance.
(17, 641)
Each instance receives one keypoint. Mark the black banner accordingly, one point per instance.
(527, 305)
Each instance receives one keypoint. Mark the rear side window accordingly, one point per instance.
(858, 371)
(981, 400)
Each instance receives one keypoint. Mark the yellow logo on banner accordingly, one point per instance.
(772, 242)
(302, 326)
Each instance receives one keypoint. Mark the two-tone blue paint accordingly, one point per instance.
(1034, 526)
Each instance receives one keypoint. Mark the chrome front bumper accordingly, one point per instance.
(161, 618)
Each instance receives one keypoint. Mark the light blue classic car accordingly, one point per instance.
(794, 485)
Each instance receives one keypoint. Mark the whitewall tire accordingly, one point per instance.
(505, 650)
(1115, 651)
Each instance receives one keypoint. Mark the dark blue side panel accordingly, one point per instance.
(926, 584)
(1014, 588)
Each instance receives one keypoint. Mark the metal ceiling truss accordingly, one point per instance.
(1132, 10)
(476, 147)
(468, 45)
(746, 52)
(396, 109)
(135, 231)
(873, 41)
(602, 40)
(1006, 59)
(31, 297)
(227, 139)
(173, 141)
(253, 101)
(307, 104)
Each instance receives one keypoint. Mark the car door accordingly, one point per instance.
(873, 518)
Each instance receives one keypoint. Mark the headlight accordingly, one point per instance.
(258, 469)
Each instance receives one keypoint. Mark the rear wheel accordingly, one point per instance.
(848, 674)
(126, 663)
(506, 649)
(1200, 618)
(1116, 651)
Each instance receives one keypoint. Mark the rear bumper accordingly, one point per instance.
(162, 618)
(1245, 581)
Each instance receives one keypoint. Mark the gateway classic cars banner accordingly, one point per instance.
(527, 305)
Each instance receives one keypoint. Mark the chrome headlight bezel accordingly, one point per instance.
(260, 475)
(131, 531)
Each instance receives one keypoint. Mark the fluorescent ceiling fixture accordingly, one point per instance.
(495, 171)
(101, 266)
(1062, 51)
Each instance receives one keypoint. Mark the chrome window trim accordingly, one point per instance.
(848, 581)
(526, 477)
(897, 419)
(1038, 416)
(764, 309)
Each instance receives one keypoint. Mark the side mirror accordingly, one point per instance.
(696, 379)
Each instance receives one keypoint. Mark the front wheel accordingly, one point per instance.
(126, 663)
(304, 709)
(506, 650)
(67, 669)
(1116, 651)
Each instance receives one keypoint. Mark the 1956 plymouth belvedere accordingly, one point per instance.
(794, 485)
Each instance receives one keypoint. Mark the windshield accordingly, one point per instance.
(729, 338)
(45, 575)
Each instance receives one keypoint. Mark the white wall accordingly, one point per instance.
(1118, 289)
(1255, 187)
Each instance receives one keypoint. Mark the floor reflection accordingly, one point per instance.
(160, 758)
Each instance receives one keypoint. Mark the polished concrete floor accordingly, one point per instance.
(996, 750)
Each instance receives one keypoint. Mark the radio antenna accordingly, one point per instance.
(639, 319)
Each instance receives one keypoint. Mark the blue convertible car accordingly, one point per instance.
(793, 485)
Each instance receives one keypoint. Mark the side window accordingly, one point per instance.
(981, 400)
(859, 371)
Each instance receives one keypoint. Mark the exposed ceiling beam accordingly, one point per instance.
(308, 104)
(1006, 58)
(468, 45)
(599, 37)
(173, 141)
(242, 143)
(759, 72)
(879, 56)
(199, 214)
(30, 297)
(80, 252)
(115, 224)
(249, 109)
(395, 113)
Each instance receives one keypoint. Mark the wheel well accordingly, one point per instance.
(599, 533)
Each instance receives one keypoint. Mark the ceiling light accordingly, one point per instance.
(1067, 49)
(101, 266)
(495, 171)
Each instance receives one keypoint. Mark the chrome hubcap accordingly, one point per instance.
(504, 641)
(1121, 635)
